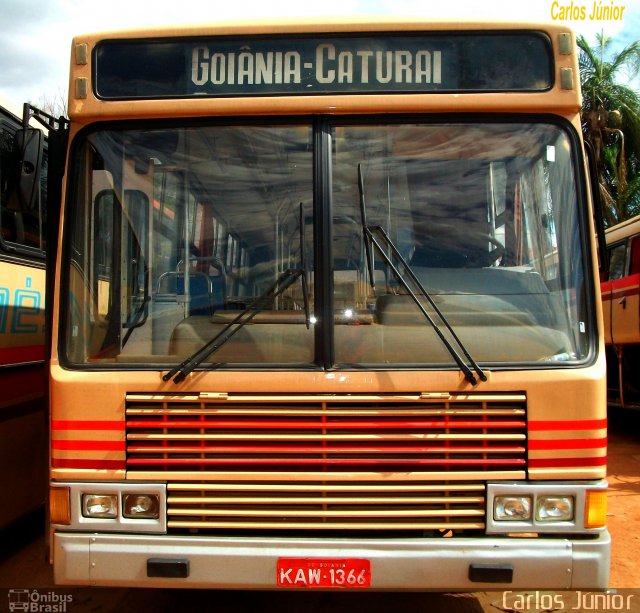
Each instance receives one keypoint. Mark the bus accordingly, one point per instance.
(621, 312)
(326, 312)
(23, 408)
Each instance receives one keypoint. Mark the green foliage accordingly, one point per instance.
(611, 123)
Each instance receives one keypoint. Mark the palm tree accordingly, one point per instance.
(611, 123)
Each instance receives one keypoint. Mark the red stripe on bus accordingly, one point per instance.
(628, 291)
(88, 464)
(574, 443)
(580, 424)
(18, 355)
(88, 445)
(626, 286)
(72, 424)
(567, 462)
(621, 293)
(625, 282)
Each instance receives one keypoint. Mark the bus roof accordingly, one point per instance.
(623, 230)
(326, 25)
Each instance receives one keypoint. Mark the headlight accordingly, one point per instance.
(512, 508)
(546, 508)
(140, 506)
(554, 508)
(104, 506)
(109, 507)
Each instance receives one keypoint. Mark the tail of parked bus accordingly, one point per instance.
(23, 381)
(621, 310)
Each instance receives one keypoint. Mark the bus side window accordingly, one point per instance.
(634, 260)
(22, 216)
(8, 218)
(617, 260)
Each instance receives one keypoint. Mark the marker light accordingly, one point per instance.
(60, 505)
(512, 508)
(104, 506)
(554, 508)
(140, 506)
(595, 512)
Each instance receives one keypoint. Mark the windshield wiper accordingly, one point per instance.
(370, 239)
(180, 372)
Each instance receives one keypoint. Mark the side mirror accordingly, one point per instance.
(29, 143)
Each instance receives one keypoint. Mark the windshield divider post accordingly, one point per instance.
(324, 347)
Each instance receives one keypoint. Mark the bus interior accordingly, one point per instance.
(253, 234)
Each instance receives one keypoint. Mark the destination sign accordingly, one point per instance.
(461, 62)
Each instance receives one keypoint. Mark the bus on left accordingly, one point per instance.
(23, 414)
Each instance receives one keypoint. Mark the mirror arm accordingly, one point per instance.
(50, 122)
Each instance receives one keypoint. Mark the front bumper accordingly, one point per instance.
(443, 564)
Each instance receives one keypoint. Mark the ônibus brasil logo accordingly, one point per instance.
(38, 601)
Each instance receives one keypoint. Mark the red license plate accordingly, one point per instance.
(349, 573)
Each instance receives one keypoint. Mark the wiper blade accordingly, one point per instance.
(180, 372)
(369, 233)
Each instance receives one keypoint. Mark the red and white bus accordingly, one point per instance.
(621, 311)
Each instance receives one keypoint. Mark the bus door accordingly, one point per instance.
(624, 303)
(119, 214)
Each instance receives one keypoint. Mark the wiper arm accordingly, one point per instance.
(180, 372)
(370, 239)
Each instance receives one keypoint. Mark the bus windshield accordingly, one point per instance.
(177, 230)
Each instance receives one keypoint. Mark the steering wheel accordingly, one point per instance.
(480, 258)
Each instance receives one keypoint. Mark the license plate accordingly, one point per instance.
(349, 573)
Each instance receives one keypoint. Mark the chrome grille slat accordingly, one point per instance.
(403, 462)
(306, 526)
(323, 513)
(381, 488)
(325, 500)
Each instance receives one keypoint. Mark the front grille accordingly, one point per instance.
(414, 462)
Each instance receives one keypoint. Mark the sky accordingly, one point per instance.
(35, 36)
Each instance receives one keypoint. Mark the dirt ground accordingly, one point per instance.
(624, 497)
